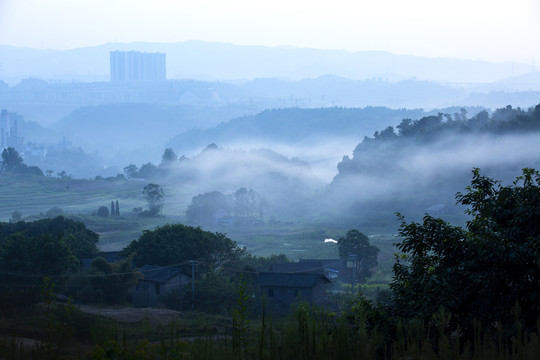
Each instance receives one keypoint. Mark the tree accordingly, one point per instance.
(175, 244)
(81, 241)
(168, 156)
(154, 196)
(11, 160)
(109, 283)
(16, 216)
(131, 171)
(148, 171)
(103, 211)
(54, 212)
(204, 207)
(25, 258)
(247, 203)
(63, 175)
(479, 273)
(355, 247)
(117, 208)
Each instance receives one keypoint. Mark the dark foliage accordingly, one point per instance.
(107, 283)
(479, 273)
(103, 211)
(355, 247)
(12, 162)
(177, 244)
(82, 242)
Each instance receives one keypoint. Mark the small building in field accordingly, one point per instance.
(282, 290)
(157, 281)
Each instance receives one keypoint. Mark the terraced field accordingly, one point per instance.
(79, 199)
(36, 195)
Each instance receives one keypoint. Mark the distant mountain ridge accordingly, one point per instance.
(222, 61)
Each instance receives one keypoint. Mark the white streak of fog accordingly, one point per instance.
(423, 169)
(461, 153)
(322, 154)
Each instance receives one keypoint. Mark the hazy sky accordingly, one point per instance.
(497, 30)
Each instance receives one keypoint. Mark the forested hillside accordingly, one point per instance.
(297, 126)
(419, 165)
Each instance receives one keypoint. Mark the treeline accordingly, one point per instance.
(65, 252)
(417, 166)
(431, 129)
(244, 206)
(294, 125)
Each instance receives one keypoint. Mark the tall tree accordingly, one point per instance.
(168, 156)
(355, 247)
(155, 198)
(11, 160)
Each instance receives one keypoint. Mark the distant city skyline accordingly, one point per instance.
(493, 30)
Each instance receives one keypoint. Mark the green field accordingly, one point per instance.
(80, 199)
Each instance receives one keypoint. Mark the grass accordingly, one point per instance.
(80, 198)
(306, 333)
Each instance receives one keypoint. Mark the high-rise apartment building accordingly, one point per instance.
(8, 130)
(137, 66)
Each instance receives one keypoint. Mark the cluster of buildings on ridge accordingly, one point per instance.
(9, 137)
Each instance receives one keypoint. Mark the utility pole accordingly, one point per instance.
(193, 262)
(181, 290)
(354, 259)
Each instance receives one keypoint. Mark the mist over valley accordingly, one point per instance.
(269, 180)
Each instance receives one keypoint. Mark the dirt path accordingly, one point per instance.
(129, 315)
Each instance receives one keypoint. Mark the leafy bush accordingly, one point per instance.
(103, 211)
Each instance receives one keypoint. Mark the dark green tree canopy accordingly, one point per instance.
(30, 251)
(356, 248)
(11, 160)
(81, 241)
(480, 272)
(176, 244)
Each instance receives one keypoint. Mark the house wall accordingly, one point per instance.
(284, 297)
(147, 293)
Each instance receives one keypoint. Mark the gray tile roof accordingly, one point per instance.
(295, 267)
(327, 263)
(158, 274)
(296, 280)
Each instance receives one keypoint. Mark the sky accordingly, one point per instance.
(493, 30)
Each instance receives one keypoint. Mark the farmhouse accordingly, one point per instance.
(281, 290)
(157, 281)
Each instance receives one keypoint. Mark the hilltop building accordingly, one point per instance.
(8, 131)
(137, 66)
